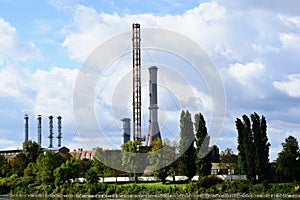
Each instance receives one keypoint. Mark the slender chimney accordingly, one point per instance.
(39, 127)
(50, 131)
(153, 132)
(59, 130)
(26, 118)
(126, 130)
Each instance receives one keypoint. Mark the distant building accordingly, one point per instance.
(10, 153)
(223, 168)
(83, 154)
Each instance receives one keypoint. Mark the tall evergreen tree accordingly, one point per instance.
(261, 146)
(246, 146)
(253, 147)
(186, 145)
(203, 155)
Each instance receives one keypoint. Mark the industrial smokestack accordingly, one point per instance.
(39, 127)
(126, 130)
(50, 131)
(26, 118)
(153, 132)
(59, 130)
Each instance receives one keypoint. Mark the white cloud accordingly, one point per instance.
(90, 28)
(291, 22)
(54, 91)
(243, 73)
(13, 82)
(290, 40)
(12, 47)
(291, 86)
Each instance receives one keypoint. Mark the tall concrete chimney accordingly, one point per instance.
(125, 130)
(50, 131)
(26, 118)
(59, 130)
(153, 132)
(39, 127)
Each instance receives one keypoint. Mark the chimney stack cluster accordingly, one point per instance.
(39, 130)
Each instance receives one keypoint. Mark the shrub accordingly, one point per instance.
(111, 190)
(208, 181)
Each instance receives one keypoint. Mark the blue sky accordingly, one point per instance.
(254, 46)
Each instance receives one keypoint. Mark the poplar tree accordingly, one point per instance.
(203, 155)
(186, 145)
(253, 147)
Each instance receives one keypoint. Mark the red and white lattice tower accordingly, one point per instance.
(137, 101)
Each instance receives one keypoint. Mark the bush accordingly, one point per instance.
(111, 190)
(208, 181)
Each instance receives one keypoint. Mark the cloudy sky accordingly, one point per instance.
(45, 45)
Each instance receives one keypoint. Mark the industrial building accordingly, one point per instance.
(127, 133)
(153, 130)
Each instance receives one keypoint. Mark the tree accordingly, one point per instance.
(4, 166)
(67, 171)
(130, 159)
(203, 155)
(18, 163)
(30, 171)
(91, 175)
(253, 147)
(161, 156)
(215, 154)
(46, 164)
(245, 147)
(227, 156)
(31, 150)
(228, 160)
(261, 146)
(288, 160)
(186, 145)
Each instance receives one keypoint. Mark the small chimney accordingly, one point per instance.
(50, 131)
(59, 130)
(126, 130)
(39, 127)
(26, 118)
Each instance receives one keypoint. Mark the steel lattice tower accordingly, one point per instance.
(136, 61)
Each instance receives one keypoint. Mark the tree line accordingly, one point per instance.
(194, 156)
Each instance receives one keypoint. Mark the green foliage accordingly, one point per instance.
(288, 160)
(208, 181)
(4, 166)
(186, 146)
(63, 173)
(31, 150)
(253, 147)
(18, 163)
(261, 146)
(130, 158)
(203, 155)
(228, 159)
(46, 164)
(161, 157)
(91, 175)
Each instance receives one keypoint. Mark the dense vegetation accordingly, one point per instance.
(44, 172)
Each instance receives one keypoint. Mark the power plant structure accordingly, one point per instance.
(39, 130)
(39, 118)
(137, 97)
(50, 131)
(126, 130)
(153, 132)
(26, 118)
(59, 131)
